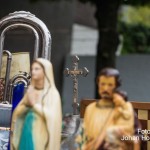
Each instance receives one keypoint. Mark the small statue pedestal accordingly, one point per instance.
(71, 124)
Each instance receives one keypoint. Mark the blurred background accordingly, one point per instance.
(103, 33)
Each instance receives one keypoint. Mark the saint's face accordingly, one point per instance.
(106, 86)
(37, 72)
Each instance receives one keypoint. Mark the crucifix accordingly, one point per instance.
(74, 73)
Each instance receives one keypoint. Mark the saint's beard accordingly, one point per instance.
(106, 96)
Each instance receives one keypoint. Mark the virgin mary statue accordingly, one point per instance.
(36, 121)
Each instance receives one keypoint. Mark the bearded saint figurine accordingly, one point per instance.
(36, 121)
(109, 119)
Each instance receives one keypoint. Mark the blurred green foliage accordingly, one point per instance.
(134, 25)
(130, 2)
(136, 38)
(135, 15)
(33, 1)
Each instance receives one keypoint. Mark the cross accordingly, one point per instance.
(74, 73)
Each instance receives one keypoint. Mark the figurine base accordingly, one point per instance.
(71, 124)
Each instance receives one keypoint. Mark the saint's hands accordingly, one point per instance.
(118, 100)
(31, 96)
(119, 105)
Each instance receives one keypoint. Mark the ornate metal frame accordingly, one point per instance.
(29, 21)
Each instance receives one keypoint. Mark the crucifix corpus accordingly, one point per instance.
(74, 73)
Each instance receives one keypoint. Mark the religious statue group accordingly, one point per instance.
(36, 122)
(37, 119)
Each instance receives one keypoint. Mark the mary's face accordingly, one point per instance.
(37, 72)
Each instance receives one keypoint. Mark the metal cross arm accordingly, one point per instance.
(83, 72)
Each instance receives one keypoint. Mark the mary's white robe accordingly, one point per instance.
(46, 125)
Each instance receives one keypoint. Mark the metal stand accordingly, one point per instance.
(72, 122)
